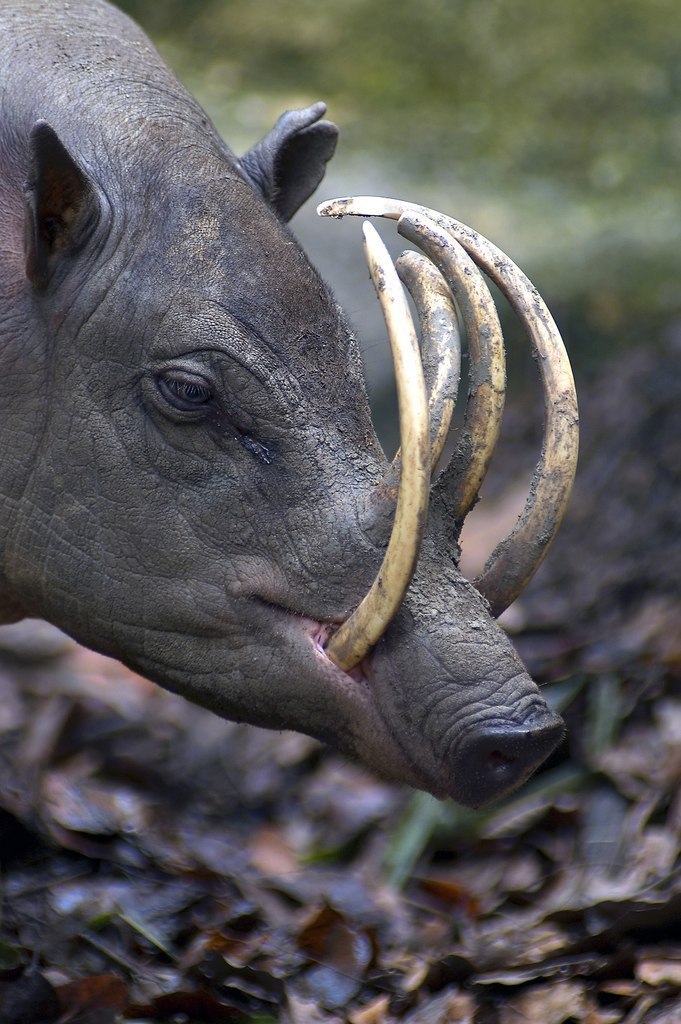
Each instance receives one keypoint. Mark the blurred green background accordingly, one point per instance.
(554, 128)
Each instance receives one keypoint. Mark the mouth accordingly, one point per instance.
(320, 633)
(358, 728)
(492, 762)
(372, 741)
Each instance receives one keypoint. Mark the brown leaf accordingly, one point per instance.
(375, 1012)
(546, 1004)
(103, 991)
(271, 854)
(86, 805)
(340, 955)
(453, 894)
(659, 971)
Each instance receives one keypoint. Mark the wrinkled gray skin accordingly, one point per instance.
(188, 469)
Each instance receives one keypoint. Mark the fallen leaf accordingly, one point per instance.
(339, 953)
(271, 853)
(104, 991)
(546, 1004)
(375, 1012)
(452, 894)
(659, 972)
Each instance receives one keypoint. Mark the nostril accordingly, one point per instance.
(499, 762)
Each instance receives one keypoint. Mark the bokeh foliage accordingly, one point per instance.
(554, 127)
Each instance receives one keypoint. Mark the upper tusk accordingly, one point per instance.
(487, 375)
(440, 344)
(370, 206)
(517, 557)
(362, 630)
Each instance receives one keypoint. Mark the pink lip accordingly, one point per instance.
(358, 683)
(321, 633)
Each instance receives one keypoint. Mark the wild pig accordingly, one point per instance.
(189, 474)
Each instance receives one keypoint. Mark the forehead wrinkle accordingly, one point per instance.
(267, 361)
(214, 328)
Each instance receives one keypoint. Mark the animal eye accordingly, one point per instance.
(185, 391)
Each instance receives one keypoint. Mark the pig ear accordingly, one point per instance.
(62, 207)
(288, 164)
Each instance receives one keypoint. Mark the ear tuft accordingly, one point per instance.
(289, 163)
(62, 208)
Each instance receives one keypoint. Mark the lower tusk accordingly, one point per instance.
(366, 625)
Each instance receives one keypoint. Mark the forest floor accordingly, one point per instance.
(159, 864)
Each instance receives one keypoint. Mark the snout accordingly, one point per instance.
(498, 758)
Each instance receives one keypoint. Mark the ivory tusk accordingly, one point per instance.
(440, 344)
(487, 376)
(362, 630)
(517, 557)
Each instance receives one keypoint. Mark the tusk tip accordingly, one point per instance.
(371, 235)
(334, 208)
(361, 206)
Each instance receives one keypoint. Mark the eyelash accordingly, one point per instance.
(192, 396)
(184, 392)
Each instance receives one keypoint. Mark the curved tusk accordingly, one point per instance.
(517, 557)
(440, 344)
(371, 206)
(368, 622)
(487, 377)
